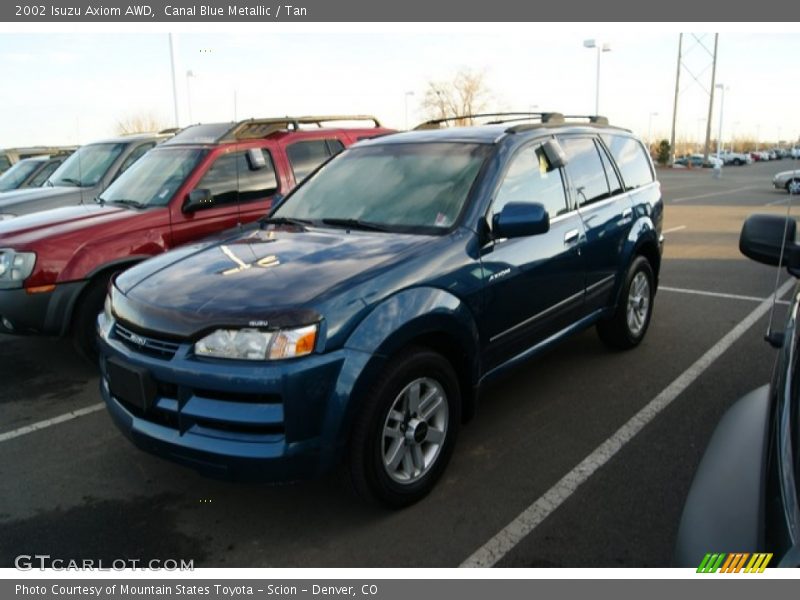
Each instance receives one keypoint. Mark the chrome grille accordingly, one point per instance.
(146, 344)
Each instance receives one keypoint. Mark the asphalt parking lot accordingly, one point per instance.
(76, 489)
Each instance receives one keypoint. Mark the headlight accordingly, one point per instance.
(254, 344)
(15, 267)
(105, 319)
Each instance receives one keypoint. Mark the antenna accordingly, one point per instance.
(776, 339)
(236, 153)
(80, 165)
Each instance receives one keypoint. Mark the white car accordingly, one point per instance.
(787, 180)
(735, 158)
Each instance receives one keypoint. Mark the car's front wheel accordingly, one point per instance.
(793, 186)
(404, 435)
(628, 325)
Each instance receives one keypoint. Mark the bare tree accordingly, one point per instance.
(140, 123)
(466, 94)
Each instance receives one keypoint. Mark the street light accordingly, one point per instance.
(720, 86)
(405, 97)
(189, 75)
(601, 47)
(650, 128)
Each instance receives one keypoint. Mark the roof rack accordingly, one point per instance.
(259, 128)
(506, 117)
(542, 118)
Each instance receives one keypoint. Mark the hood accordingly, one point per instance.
(31, 228)
(787, 174)
(24, 201)
(261, 275)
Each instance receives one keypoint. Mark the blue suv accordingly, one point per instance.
(358, 322)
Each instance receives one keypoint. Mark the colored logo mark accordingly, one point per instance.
(734, 562)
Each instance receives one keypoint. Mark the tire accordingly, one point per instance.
(386, 427)
(628, 325)
(738, 162)
(84, 322)
(793, 186)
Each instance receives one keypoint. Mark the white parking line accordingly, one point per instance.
(664, 288)
(39, 425)
(501, 544)
(720, 193)
(671, 229)
(783, 200)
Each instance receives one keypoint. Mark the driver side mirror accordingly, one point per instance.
(198, 200)
(762, 240)
(520, 219)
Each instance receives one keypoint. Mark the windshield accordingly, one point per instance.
(13, 178)
(153, 179)
(87, 165)
(400, 186)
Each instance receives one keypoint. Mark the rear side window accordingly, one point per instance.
(4, 163)
(254, 184)
(137, 153)
(307, 155)
(531, 178)
(43, 175)
(631, 158)
(585, 170)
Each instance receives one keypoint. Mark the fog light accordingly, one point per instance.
(8, 324)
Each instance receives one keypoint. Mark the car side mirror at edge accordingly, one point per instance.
(520, 219)
(198, 200)
(762, 240)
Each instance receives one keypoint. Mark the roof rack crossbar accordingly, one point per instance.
(597, 119)
(514, 116)
(259, 128)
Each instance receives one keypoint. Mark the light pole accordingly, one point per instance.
(189, 75)
(721, 87)
(758, 137)
(405, 98)
(650, 129)
(601, 47)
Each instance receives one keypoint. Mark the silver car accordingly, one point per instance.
(787, 180)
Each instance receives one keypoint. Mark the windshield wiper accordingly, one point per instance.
(126, 202)
(284, 221)
(71, 180)
(354, 224)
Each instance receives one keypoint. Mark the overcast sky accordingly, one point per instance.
(74, 87)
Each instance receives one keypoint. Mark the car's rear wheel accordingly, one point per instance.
(84, 322)
(404, 435)
(793, 186)
(628, 325)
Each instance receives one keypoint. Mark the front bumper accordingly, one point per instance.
(43, 313)
(278, 421)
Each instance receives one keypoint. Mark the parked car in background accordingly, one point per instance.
(745, 496)
(11, 156)
(30, 172)
(795, 152)
(787, 180)
(205, 179)
(735, 158)
(81, 177)
(359, 321)
(696, 160)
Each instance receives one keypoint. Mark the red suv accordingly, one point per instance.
(55, 265)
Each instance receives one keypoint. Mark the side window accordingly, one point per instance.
(137, 153)
(308, 155)
(614, 184)
(631, 158)
(335, 146)
(585, 170)
(5, 163)
(254, 184)
(42, 176)
(531, 178)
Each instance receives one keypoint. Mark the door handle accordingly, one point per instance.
(571, 237)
